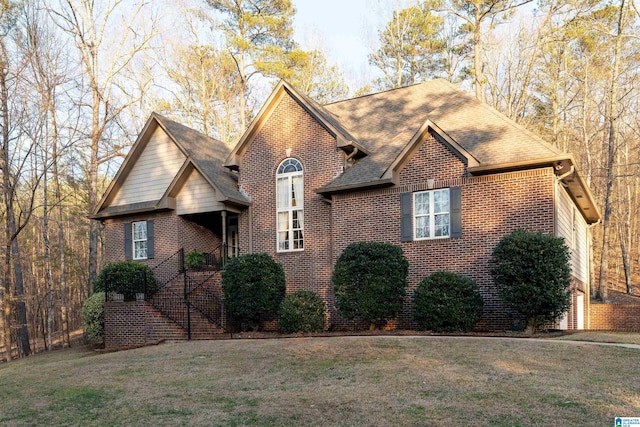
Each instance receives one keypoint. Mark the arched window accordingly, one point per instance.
(290, 205)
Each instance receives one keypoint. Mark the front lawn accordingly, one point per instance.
(352, 381)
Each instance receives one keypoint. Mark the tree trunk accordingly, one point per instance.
(625, 260)
(61, 242)
(47, 253)
(93, 189)
(477, 60)
(24, 348)
(611, 119)
(12, 250)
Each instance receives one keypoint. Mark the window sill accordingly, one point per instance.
(422, 239)
(288, 251)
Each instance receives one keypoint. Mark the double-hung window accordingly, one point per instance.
(139, 239)
(290, 206)
(431, 214)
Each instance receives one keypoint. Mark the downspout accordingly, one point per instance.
(250, 233)
(350, 156)
(563, 176)
(572, 169)
(224, 252)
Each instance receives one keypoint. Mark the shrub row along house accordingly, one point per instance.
(427, 167)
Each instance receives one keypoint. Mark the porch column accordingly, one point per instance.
(224, 229)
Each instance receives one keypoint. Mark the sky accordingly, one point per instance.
(346, 37)
(347, 31)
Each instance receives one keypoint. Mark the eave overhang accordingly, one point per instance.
(352, 187)
(574, 182)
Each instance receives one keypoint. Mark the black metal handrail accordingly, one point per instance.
(129, 285)
(176, 294)
(204, 300)
(170, 268)
(216, 259)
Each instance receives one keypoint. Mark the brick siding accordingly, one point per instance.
(492, 206)
(291, 127)
(614, 317)
(136, 323)
(171, 232)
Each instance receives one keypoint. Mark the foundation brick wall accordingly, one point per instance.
(171, 232)
(614, 317)
(291, 127)
(136, 323)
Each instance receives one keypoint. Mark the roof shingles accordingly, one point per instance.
(208, 155)
(384, 123)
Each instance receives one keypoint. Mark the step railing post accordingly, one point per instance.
(186, 301)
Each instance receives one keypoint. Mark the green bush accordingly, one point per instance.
(93, 317)
(532, 272)
(254, 287)
(195, 260)
(302, 311)
(369, 281)
(447, 302)
(126, 277)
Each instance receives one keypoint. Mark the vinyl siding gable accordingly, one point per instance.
(153, 171)
(196, 196)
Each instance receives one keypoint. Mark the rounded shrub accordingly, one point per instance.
(302, 311)
(369, 281)
(447, 302)
(533, 274)
(254, 287)
(126, 277)
(93, 317)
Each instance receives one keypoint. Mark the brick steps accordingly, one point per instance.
(169, 304)
(164, 328)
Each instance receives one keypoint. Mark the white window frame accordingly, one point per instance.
(135, 240)
(431, 215)
(290, 209)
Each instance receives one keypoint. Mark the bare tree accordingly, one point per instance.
(611, 117)
(106, 49)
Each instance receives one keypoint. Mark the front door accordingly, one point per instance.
(233, 245)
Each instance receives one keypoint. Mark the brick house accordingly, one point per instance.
(427, 167)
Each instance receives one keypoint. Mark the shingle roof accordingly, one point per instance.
(384, 123)
(207, 154)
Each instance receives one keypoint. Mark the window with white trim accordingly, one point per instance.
(290, 206)
(431, 214)
(139, 239)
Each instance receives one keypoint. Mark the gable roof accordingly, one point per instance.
(344, 138)
(202, 152)
(386, 122)
(207, 155)
(388, 125)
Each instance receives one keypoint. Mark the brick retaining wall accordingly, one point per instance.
(136, 323)
(614, 317)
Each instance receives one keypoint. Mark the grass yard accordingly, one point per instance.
(353, 381)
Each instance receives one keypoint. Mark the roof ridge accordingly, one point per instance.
(374, 93)
(161, 118)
